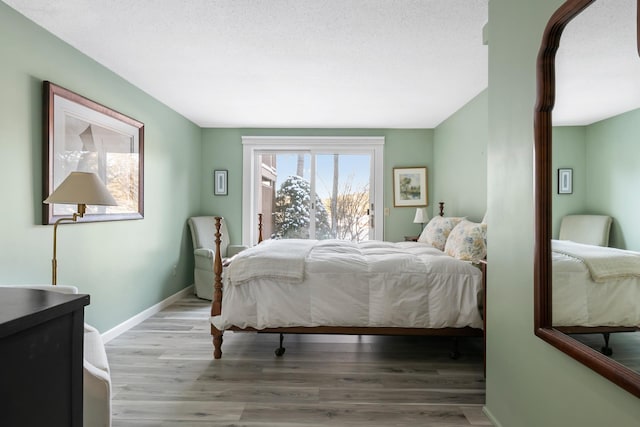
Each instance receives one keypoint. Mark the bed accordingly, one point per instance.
(339, 287)
(596, 289)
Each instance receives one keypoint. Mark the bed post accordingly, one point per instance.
(259, 227)
(483, 268)
(441, 208)
(216, 304)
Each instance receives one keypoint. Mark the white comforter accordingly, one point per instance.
(404, 284)
(578, 300)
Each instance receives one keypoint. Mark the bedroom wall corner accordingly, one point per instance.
(569, 151)
(406, 148)
(612, 153)
(460, 156)
(222, 148)
(126, 266)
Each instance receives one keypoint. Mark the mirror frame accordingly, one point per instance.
(605, 366)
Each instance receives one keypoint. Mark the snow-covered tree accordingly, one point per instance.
(351, 206)
(291, 212)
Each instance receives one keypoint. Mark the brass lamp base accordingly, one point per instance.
(54, 263)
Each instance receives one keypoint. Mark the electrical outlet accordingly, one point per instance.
(386, 211)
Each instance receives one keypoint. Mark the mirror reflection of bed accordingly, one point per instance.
(595, 287)
(595, 303)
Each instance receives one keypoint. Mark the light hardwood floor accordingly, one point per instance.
(164, 374)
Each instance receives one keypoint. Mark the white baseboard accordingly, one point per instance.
(144, 315)
(489, 415)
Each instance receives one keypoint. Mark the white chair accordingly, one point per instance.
(96, 381)
(587, 229)
(203, 230)
(96, 396)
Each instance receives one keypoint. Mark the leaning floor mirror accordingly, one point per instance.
(587, 121)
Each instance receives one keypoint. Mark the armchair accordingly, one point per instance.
(587, 229)
(203, 229)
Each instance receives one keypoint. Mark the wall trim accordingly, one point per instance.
(489, 415)
(144, 315)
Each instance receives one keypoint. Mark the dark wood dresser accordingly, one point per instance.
(41, 339)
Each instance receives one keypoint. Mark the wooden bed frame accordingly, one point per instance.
(216, 310)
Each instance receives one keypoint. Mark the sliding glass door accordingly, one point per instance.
(313, 191)
(343, 183)
(309, 195)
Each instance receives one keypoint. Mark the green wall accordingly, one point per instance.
(222, 149)
(126, 266)
(460, 153)
(612, 181)
(605, 174)
(569, 151)
(529, 382)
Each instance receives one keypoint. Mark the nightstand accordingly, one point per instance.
(411, 238)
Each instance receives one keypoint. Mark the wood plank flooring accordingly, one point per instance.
(625, 346)
(164, 374)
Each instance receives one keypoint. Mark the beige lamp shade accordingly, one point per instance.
(82, 188)
(421, 216)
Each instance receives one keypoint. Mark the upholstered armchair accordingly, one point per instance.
(96, 380)
(586, 229)
(203, 229)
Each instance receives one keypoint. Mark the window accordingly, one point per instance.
(313, 187)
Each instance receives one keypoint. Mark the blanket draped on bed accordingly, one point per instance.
(603, 262)
(279, 259)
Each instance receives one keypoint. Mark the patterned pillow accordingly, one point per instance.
(437, 231)
(467, 241)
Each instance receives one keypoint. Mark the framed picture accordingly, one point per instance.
(410, 186)
(220, 182)
(82, 135)
(565, 181)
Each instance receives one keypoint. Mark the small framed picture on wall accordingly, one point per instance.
(565, 181)
(410, 186)
(220, 182)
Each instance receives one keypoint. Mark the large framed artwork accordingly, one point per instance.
(410, 187)
(82, 135)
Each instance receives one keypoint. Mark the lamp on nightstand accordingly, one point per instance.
(82, 189)
(422, 217)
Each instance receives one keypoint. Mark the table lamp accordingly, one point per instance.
(421, 217)
(82, 189)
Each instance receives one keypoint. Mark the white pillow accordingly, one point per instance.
(467, 241)
(437, 231)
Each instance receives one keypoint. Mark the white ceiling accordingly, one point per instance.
(597, 64)
(285, 63)
(333, 63)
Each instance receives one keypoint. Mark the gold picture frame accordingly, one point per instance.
(410, 187)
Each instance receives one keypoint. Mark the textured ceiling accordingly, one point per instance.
(597, 64)
(333, 63)
(285, 63)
